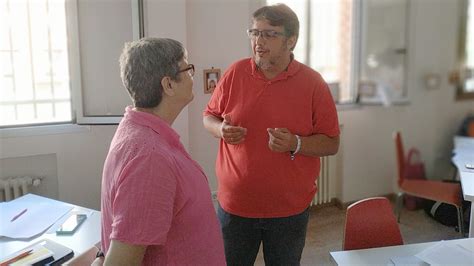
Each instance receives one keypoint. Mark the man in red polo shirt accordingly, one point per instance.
(275, 117)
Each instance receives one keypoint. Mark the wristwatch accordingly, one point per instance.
(298, 147)
(100, 254)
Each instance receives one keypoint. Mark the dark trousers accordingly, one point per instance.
(283, 238)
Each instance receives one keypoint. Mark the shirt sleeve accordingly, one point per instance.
(325, 119)
(143, 205)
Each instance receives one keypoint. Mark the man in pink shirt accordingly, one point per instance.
(274, 117)
(156, 202)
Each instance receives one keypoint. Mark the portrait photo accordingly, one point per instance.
(211, 77)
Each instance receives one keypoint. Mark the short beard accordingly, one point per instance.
(264, 64)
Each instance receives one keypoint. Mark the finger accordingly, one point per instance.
(282, 130)
(271, 131)
(278, 142)
(233, 134)
(233, 137)
(227, 119)
(240, 141)
(276, 134)
(275, 147)
(234, 141)
(232, 129)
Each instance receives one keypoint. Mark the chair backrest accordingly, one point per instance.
(371, 223)
(400, 153)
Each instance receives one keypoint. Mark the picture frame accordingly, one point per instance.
(211, 77)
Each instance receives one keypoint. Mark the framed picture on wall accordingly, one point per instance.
(211, 77)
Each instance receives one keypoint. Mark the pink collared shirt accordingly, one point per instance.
(154, 194)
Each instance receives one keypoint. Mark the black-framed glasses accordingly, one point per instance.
(190, 70)
(265, 34)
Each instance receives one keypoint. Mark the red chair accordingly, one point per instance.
(449, 193)
(370, 223)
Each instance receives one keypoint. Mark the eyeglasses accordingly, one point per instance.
(190, 70)
(265, 34)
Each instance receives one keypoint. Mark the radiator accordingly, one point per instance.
(323, 183)
(14, 187)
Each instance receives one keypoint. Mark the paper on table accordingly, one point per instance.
(408, 261)
(41, 214)
(447, 254)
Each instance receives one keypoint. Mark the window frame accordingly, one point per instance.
(75, 76)
(359, 6)
(138, 31)
(461, 94)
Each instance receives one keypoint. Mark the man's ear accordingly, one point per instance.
(291, 42)
(168, 86)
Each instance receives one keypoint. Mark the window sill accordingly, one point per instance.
(347, 106)
(42, 130)
(377, 102)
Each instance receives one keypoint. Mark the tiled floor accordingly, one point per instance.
(325, 233)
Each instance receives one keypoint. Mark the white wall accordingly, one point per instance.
(214, 33)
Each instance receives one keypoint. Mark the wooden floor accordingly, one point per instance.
(326, 225)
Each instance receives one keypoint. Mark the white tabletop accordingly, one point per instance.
(382, 256)
(86, 236)
(464, 154)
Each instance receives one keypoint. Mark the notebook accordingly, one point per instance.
(43, 252)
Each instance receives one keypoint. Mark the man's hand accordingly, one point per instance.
(232, 134)
(98, 262)
(281, 140)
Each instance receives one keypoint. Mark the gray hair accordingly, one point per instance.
(280, 15)
(144, 63)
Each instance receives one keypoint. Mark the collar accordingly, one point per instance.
(153, 122)
(290, 70)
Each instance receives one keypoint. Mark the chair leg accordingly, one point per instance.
(460, 221)
(399, 205)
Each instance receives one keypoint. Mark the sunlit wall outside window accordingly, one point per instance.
(34, 73)
(325, 40)
(469, 83)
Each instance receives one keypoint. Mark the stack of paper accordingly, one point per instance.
(441, 253)
(30, 215)
(447, 254)
(39, 254)
(44, 252)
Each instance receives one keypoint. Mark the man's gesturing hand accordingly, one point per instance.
(281, 140)
(232, 134)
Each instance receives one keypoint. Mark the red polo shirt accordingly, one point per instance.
(253, 180)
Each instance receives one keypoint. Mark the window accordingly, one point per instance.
(51, 52)
(359, 47)
(34, 76)
(464, 77)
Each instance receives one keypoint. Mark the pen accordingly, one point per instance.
(18, 215)
(16, 258)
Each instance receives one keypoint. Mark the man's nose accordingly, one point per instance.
(259, 38)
